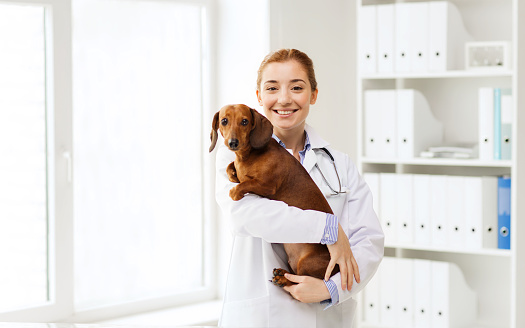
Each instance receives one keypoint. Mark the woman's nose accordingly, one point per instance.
(284, 97)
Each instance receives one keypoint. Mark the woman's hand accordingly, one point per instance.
(341, 254)
(308, 289)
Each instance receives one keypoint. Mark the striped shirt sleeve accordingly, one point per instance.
(332, 288)
(331, 230)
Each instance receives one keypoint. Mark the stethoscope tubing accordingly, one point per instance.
(334, 192)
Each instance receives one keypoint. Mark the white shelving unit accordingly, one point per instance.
(497, 276)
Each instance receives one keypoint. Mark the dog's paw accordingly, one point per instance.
(279, 272)
(232, 176)
(279, 279)
(235, 194)
(232, 173)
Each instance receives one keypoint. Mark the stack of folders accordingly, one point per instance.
(398, 124)
(411, 37)
(419, 293)
(495, 123)
(439, 211)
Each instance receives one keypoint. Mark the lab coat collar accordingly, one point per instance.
(315, 140)
(310, 159)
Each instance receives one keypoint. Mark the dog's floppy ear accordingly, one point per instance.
(214, 128)
(261, 132)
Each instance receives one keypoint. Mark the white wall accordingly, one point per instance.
(326, 31)
(242, 42)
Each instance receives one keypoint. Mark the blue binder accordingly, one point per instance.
(504, 212)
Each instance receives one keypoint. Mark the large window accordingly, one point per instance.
(24, 204)
(103, 162)
(138, 150)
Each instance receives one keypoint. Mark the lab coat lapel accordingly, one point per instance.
(310, 158)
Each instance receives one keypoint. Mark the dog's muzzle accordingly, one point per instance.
(233, 144)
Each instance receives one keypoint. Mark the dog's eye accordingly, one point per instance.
(244, 122)
(224, 121)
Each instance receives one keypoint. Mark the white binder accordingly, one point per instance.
(385, 38)
(372, 117)
(388, 124)
(454, 304)
(438, 214)
(486, 123)
(481, 212)
(367, 40)
(389, 279)
(506, 124)
(455, 192)
(422, 197)
(447, 37)
(402, 43)
(388, 204)
(405, 292)
(422, 293)
(419, 34)
(417, 128)
(422, 296)
(372, 180)
(372, 296)
(404, 209)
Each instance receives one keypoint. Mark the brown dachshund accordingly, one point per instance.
(265, 168)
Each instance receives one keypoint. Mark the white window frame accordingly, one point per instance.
(60, 187)
(59, 93)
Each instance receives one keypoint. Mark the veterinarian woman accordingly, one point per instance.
(286, 87)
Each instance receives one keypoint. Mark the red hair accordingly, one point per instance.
(284, 55)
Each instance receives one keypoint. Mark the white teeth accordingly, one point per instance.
(285, 112)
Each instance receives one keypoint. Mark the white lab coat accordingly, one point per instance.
(260, 226)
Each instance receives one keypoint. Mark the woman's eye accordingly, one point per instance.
(271, 88)
(297, 88)
(224, 121)
(244, 122)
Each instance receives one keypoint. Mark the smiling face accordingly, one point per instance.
(286, 95)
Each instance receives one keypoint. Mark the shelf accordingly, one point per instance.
(474, 325)
(439, 162)
(453, 97)
(483, 251)
(440, 75)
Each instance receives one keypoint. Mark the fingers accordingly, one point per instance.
(356, 270)
(329, 270)
(343, 269)
(293, 278)
(351, 273)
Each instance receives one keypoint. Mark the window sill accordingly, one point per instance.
(204, 314)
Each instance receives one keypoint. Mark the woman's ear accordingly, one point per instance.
(262, 130)
(259, 99)
(313, 98)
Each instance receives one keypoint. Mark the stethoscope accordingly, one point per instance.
(333, 192)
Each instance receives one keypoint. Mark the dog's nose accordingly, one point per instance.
(233, 143)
